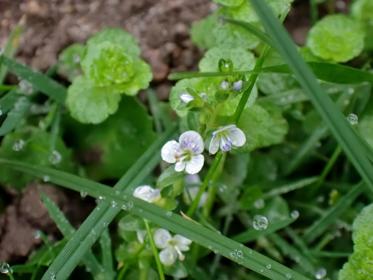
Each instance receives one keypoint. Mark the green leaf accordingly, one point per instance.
(365, 126)
(241, 59)
(359, 265)
(90, 104)
(337, 38)
(118, 37)
(38, 80)
(201, 32)
(116, 143)
(10, 49)
(362, 10)
(69, 61)
(32, 146)
(263, 126)
(229, 3)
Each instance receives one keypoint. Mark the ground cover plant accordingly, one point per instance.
(258, 167)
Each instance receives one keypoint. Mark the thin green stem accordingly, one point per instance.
(314, 11)
(155, 251)
(210, 174)
(254, 76)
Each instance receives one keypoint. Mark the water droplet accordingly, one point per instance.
(83, 194)
(18, 145)
(260, 222)
(5, 268)
(46, 178)
(1, 112)
(288, 276)
(353, 119)
(259, 204)
(168, 213)
(53, 276)
(114, 204)
(26, 87)
(239, 253)
(269, 266)
(320, 273)
(294, 214)
(55, 157)
(37, 234)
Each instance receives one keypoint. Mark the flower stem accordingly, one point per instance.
(155, 251)
(210, 175)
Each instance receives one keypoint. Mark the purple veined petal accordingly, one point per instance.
(237, 86)
(161, 238)
(168, 256)
(237, 137)
(169, 151)
(214, 144)
(195, 164)
(225, 144)
(180, 166)
(191, 141)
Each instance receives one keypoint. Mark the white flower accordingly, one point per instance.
(172, 246)
(237, 86)
(147, 193)
(186, 154)
(224, 85)
(186, 97)
(226, 138)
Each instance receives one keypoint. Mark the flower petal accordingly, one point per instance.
(147, 193)
(191, 141)
(186, 97)
(169, 151)
(168, 256)
(180, 166)
(181, 242)
(161, 238)
(237, 137)
(214, 144)
(195, 164)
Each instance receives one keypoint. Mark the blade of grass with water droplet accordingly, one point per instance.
(331, 115)
(168, 220)
(15, 115)
(39, 81)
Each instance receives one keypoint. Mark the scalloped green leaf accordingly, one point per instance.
(90, 104)
(69, 61)
(337, 38)
(263, 126)
(201, 32)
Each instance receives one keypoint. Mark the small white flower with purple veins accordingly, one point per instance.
(186, 97)
(226, 138)
(186, 154)
(237, 86)
(172, 246)
(147, 193)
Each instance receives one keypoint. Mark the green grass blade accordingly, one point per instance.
(10, 49)
(333, 117)
(7, 101)
(67, 230)
(165, 219)
(289, 187)
(107, 256)
(38, 80)
(319, 226)
(15, 115)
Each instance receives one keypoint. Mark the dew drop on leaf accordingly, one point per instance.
(353, 119)
(5, 268)
(294, 214)
(259, 204)
(18, 145)
(260, 222)
(320, 273)
(55, 157)
(46, 178)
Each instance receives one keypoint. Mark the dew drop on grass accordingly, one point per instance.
(260, 222)
(83, 194)
(269, 266)
(168, 213)
(55, 157)
(46, 178)
(18, 145)
(353, 119)
(294, 214)
(288, 276)
(5, 268)
(113, 204)
(25, 87)
(320, 273)
(1, 112)
(259, 204)
(37, 234)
